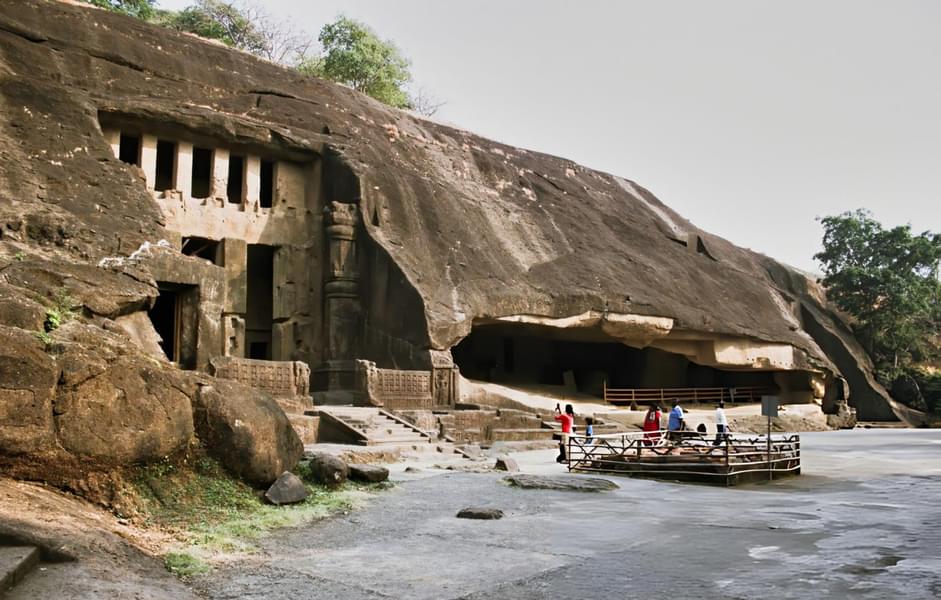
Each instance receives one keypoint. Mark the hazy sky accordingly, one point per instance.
(748, 117)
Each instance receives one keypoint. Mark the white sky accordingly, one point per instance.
(748, 117)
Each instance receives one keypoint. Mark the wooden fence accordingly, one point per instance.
(663, 396)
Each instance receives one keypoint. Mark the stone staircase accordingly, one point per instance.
(366, 426)
(16, 562)
(297, 408)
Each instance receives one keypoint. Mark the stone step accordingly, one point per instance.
(305, 426)
(295, 405)
(519, 435)
(15, 563)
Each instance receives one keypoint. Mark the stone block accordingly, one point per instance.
(480, 513)
(368, 473)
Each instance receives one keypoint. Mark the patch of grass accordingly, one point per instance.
(212, 513)
(184, 565)
(60, 312)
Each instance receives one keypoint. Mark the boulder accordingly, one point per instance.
(505, 463)
(843, 417)
(368, 473)
(905, 389)
(328, 469)
(287, 489)
(113, 403)
(476, 512)
(246, 430)
(28, 377)
(561, 482)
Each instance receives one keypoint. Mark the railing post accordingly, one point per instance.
(605, 388)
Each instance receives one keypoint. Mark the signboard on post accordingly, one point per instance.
(769, 406)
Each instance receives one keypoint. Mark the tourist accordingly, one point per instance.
(722, 425)
(589, 429)
(652, 425)
(568, 425)
(676, 423)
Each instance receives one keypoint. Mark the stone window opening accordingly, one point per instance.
(129, 149)
(203, 248)
(235, 186)
(174, 316)
(165, 174)
(266, 192)
(202, 173)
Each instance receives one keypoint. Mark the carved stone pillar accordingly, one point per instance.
(343, 313)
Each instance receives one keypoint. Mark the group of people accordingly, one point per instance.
(676, 424)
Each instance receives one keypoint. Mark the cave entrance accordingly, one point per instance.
(259, 317)
(174, 316)
(585, 361)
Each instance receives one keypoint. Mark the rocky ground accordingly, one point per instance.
(860, 522)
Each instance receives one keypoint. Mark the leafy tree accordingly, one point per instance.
(355, 56)
(218, 21)
(887, 280)
(142, 9)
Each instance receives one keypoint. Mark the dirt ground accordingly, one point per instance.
(112, 558)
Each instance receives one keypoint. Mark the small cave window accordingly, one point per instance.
(266, 193)
(202, 172)
(203, 248)
(129, 150)
(701, 248)
(166, 165)
(235, 188)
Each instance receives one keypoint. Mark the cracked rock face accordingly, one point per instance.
(476, 231)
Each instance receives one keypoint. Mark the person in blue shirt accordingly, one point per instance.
(676, 422)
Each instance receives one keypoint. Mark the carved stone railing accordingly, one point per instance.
(396, 389)
(278, 378)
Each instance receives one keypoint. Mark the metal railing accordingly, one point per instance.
(690, 454)
(685, 395)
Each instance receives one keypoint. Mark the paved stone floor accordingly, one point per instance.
(863, 522)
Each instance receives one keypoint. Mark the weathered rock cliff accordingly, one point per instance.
(476, 231)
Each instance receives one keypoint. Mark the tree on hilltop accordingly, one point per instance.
(355, 56)
(142, 9)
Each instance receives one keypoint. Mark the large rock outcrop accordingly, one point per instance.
(465, 231)
(247, 431)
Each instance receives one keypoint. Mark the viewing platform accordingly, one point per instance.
(693, 457)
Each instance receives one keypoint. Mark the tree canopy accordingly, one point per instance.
(887, 280)
(352, 53)
(142, 9)
(355, 56)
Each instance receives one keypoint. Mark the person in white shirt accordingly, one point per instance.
(722, 425)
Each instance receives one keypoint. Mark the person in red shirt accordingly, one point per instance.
(568, 426)
(652, 425)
